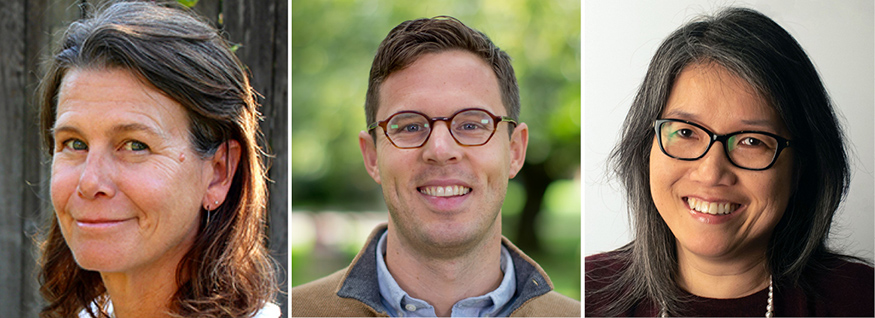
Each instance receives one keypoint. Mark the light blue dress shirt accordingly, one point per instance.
(400, 304)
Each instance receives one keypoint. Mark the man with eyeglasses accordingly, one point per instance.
(443, 139)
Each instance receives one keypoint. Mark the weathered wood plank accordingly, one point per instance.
(12, 109)
(35, 173)
(261, 30)
(278, 118)
(210, 9)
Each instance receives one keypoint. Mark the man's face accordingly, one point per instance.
(438, 85)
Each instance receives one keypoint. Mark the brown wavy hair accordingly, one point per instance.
(414, 38)
(227, 272)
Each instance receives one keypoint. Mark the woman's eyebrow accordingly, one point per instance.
(680, 114)
(762, 123)
(136, 127)
(121, 128)
(68, 129)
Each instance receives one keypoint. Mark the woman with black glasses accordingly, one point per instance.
(734, 166)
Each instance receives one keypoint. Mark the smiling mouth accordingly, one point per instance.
(448, 191)
(99, 222)
(715, 208)
(101, 226)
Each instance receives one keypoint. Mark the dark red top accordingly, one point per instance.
(846, 290)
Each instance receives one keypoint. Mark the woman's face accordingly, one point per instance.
(713, 97)
(126, 184)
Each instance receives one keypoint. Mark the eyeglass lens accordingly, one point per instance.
(471, 127)
(747, 150)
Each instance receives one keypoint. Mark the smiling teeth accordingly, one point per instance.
(447, 191)
(712, 207)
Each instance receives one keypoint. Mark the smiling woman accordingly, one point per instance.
(121, 185)
(734, 165)
(157, 177)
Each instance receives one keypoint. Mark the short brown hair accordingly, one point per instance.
(413, 38)
(227, 272)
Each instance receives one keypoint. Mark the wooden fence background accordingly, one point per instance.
(28, 30)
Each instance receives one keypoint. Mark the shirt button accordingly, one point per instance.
(410, 307)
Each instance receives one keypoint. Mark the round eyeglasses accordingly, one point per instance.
(469, 127)
(751, 150)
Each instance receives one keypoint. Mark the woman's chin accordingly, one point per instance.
(100, 264)
(102, 260)
(707, 249)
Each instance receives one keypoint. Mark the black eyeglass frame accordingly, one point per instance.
(782, 142)
(431, 120)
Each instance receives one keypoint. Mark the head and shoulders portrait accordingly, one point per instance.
(158, 174)
(442, 135)
(735, 161)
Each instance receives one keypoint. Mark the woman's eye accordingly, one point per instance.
(75, 144)
(751, 142)
(686, 133)
(133, 145)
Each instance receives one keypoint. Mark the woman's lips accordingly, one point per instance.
(99, 224)
(714, 208)
(710, 212)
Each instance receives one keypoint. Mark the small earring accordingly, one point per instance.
(209, 211)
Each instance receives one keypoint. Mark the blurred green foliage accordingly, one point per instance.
(187, 3)
(333, 45)
(334, 42)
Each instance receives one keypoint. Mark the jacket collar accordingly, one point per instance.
(360, 281)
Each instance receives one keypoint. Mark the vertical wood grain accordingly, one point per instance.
(261, 30)
(12, 110)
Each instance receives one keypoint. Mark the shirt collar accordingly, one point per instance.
(399, 303)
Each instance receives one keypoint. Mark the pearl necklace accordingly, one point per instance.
(769, 306)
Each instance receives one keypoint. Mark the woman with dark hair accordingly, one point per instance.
(734, 164)
(158, 179)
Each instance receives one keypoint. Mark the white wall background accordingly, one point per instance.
(620, 37)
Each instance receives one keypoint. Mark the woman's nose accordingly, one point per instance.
(441, 148)
(96, 178)
(714, 167)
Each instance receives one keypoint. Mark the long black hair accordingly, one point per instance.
(759, 51)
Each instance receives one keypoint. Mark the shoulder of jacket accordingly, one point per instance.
(551, 304)
(319, 299)
(320, 287)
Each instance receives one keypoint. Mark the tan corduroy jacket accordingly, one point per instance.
(354, 291)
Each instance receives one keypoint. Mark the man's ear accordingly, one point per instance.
(519, 140)
(223, 165)
(369, 154)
